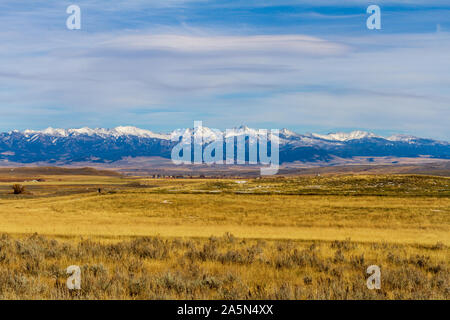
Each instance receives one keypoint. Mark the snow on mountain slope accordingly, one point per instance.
(208, 135)
(402, 137)
(133, 131)
(342, 136)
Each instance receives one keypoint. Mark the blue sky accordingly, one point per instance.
(309, 66)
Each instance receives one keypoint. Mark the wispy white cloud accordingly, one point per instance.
(167, 76)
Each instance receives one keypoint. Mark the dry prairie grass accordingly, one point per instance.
(137, 211)
(226, 267)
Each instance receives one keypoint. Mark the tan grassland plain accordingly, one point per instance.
(270, 238)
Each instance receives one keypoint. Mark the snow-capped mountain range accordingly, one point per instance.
(65, 146)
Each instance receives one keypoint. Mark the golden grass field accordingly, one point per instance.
(270, 238)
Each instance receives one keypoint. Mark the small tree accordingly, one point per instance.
(18, 188)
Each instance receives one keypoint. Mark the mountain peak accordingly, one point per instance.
(402, 137)
(288, 132)
(133, 131)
